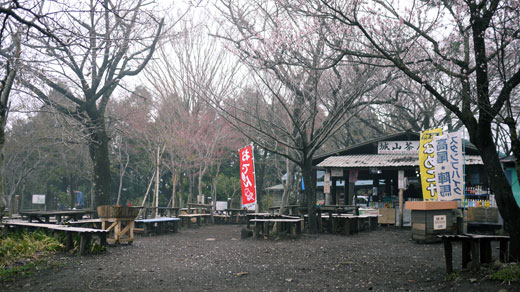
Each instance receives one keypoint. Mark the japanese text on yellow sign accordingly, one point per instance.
(427, 164)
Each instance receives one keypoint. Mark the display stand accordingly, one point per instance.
(430, 219)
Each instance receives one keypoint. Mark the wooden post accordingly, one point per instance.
(346, 227)
(346, 186)
(504, 251)
(117, 231)
(293, 229)
(466, 252)
(448, 255)
(475, 254)
(157, 181)
(334, 192)
(84, 243)
(354, 225)
(258, 227)
(103, 239)
(68, 241)
(485, 251)
(401, 207)
(401, 186)
(320, 221)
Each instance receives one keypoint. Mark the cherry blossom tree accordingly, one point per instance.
(297, 105)
(196, 139)
(463, 53)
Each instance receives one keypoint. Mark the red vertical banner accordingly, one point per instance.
(247, 177)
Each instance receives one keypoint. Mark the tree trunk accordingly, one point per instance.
(259, 179)
(3, 202)
(190, 186)
(202, 170)
(72, 196)
(503, 193)
(287, 188)
(174, 188)
(98, 149)
(214, 185)
(310, 194)
(122, 171)
(157, 181)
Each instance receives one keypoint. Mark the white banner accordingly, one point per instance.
(449, 166)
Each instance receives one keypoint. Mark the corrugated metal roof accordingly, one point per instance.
(381, 160)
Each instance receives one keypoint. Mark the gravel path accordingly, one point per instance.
(214, 258)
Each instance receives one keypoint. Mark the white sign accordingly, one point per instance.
(221, 205)
(38, 199)
(439, 222)
(449, 166)
(336, 172)
(398, 147)
(400, 179)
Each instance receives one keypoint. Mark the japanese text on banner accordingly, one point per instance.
(449, 173)
(427, 164)
(247, 177)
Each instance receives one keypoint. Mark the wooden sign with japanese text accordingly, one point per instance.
(397, 147)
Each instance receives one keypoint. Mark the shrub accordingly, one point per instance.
(20, 246)
(508, 274)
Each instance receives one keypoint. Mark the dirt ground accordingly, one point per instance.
(214, 258)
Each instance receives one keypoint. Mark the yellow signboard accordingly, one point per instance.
(427, 162)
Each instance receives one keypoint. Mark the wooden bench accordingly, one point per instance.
(290, 225)
(157, 225)
(85, 233)
(60, 215)
(89, 223)
(476, 249)
(186, 218)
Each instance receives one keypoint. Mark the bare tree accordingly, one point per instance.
(97, 44)
(14, 18)
(297, 106)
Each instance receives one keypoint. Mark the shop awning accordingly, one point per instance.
(381, 160)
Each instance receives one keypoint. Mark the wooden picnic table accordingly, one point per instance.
(263, 227)
(60, 215)
(334, 209)
(200, 209)
(348, 224)
(268, 216)
(235, 214)
(157, 225)
(149, 211)
(293, 209)
(476, 249)
(186, 218)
